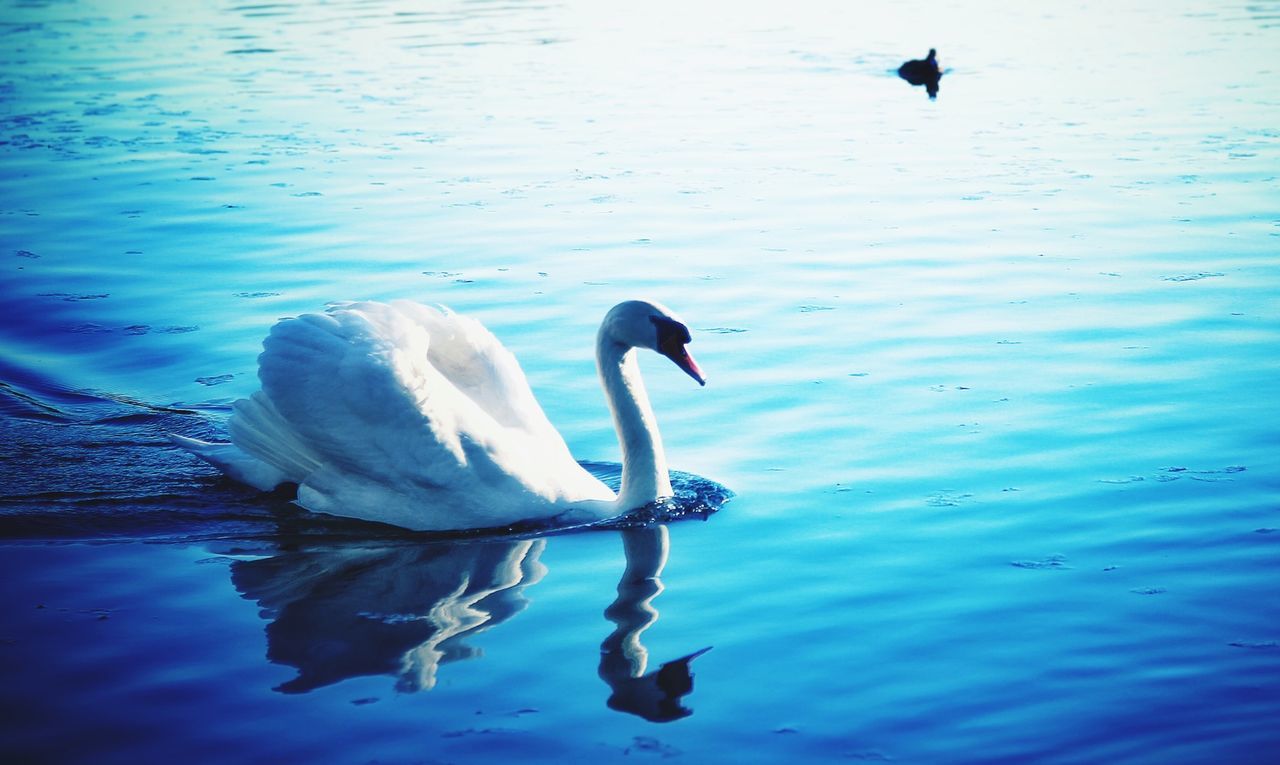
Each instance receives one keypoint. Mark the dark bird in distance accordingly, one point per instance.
(924, 72)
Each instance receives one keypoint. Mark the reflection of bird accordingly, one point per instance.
(344, 612)
(655, 696)
(924, 72)
(341, 611)
(418, 417)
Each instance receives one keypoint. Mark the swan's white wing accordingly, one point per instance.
(479, 366)
(409, 415)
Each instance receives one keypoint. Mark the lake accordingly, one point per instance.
(994, 378)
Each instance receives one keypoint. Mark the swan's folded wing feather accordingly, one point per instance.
(479, 366)
(257, 428)
(415, 412)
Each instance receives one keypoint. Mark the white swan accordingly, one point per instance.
(416, 416)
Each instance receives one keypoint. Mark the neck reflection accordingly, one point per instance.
(655, 696)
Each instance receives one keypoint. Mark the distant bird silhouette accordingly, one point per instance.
(923, 72)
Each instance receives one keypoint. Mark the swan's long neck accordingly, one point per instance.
(644, 465)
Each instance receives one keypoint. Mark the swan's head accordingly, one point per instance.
(645, 324)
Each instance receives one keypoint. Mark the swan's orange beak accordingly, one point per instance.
(675, 350)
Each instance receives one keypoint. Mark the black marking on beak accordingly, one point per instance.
(672, 338)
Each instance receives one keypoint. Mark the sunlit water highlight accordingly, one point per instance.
(993, 378)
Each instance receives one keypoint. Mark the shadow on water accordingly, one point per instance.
(404, 610)
(924, 72)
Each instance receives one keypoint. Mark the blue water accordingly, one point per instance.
(995, 378)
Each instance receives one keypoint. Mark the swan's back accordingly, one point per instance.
(406, 414)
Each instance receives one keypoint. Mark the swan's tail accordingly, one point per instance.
(235, 463)
(265, 452)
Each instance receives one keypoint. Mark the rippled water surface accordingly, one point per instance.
(994, 378)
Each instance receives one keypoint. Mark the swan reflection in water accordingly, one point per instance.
(404, 610)
(342, 612)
